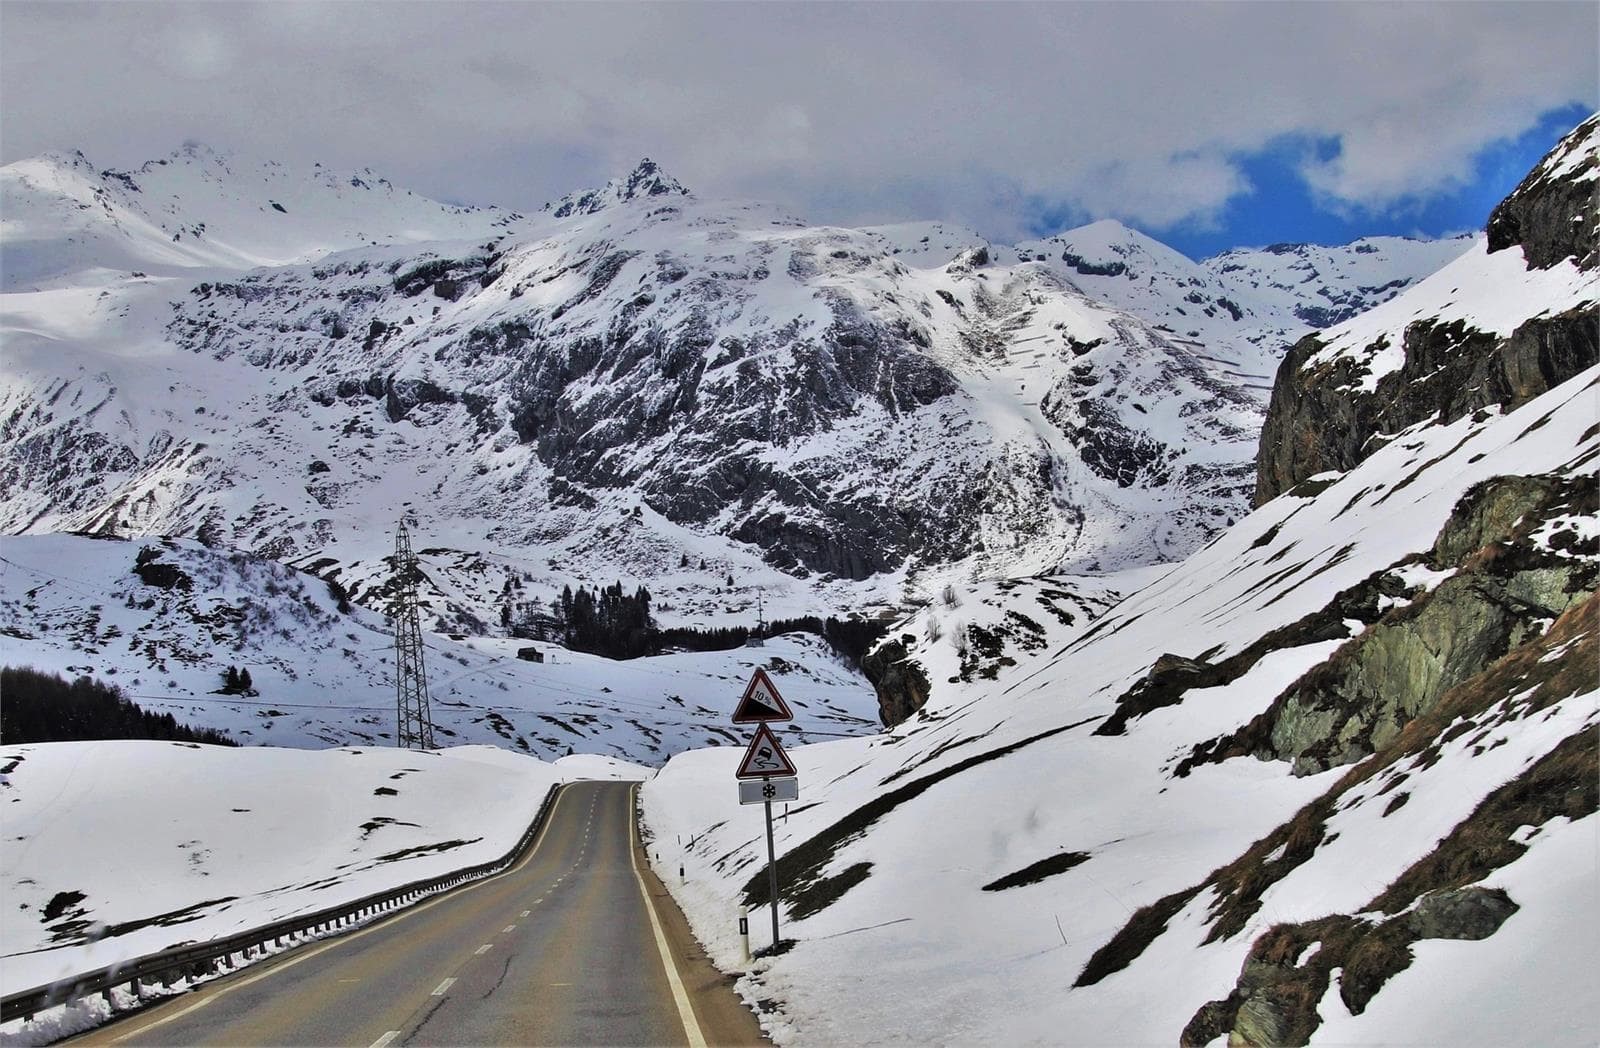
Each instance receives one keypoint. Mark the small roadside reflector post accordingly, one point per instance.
(744, 935)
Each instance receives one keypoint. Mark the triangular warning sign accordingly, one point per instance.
(761, 702)
(765, 758)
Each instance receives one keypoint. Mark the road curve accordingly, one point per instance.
(577, 944)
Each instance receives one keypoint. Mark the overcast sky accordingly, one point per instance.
(1205, 125)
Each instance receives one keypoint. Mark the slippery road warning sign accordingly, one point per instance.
(765, 758)
(761, 702)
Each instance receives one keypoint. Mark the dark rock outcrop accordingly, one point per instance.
(1504, 589)
(1460, 913)
(1554, 212)
(901, 683)
(1316, 421)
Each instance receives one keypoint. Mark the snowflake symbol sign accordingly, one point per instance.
(768, 790)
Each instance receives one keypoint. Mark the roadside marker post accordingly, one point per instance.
(765, 761)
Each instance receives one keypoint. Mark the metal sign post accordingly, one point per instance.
(772, 875)
(766, 761)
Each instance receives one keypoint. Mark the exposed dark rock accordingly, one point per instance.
(1361, 698)
(1173, 676)
(900, 681)
(1317, 421)
(152, 572)
(401, 395)
(1553, 214)
(1460, 913)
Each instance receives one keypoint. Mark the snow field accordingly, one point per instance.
(204, 842)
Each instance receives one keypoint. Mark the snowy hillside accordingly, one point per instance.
(323, 677)
(1330, 779)
(64, 224)
(903, 846)
(119, 849)
(629, 384)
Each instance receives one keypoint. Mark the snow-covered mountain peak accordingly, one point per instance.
(644, 181)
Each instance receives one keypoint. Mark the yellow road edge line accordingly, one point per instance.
(353, 936)
(691, 1026)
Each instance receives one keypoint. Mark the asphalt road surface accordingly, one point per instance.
(577, 944)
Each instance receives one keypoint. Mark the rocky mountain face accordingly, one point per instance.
(632, 382)
(1512, 318)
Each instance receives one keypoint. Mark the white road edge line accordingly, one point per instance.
(442, 987)
(385, 1039)
(361, 934)
(691, 1026)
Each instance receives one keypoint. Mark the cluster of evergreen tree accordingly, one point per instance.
(236, 681)
(619, 625)
(607, 622)
(42, 707)
(851, 638)
(687, 638)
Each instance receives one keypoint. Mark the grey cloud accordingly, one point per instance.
(843, 112)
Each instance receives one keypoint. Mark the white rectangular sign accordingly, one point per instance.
(757, 791)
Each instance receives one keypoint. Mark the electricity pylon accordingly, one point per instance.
(414, 718)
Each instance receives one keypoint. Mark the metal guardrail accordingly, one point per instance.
(209, 958)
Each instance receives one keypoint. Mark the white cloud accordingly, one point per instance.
(844, 112)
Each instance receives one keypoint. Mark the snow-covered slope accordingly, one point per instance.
(1322, 285)
(1337, 762)
(65, 224)
(916, 833)
(76, 606)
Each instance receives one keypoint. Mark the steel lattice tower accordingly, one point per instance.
(414, 727)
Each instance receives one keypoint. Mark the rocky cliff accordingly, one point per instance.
(1512, 318)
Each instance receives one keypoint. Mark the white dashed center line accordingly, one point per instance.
(485, 948)
(439, 992)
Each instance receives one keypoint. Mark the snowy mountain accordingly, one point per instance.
(630, 383)
(66, 225)
(1328, 780)
(1246, 304)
